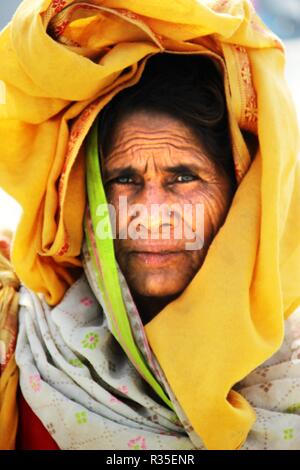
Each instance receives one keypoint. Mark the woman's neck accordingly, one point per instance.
(149, 307)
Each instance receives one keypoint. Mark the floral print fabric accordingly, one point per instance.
(81, 385)
(79, 382)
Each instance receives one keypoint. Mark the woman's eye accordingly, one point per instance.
(186, 178)
(123, 180)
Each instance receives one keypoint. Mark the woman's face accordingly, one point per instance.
(156, 160)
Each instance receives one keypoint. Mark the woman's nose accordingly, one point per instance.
(154, 207)
(153, 193)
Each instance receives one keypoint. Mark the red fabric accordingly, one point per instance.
(32, 435)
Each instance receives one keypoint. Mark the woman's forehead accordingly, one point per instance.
(158, 137)
(151, 122)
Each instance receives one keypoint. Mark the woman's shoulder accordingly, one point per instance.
(289, 352)
(273, 389)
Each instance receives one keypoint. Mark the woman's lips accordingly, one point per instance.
(156, 259)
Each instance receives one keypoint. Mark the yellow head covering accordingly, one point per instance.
(62, 61)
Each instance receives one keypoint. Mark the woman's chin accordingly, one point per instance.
(158, 285)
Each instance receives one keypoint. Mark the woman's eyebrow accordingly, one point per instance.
(130, 170)
(181, 168)
(120, 171)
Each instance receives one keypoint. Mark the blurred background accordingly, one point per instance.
(282, 16)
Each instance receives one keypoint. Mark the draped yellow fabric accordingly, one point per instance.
(9, 375)
(8, 406)
(62, 61)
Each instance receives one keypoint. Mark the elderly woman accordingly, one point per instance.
(166, 141)
(172, 336)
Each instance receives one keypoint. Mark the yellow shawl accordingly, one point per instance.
(62, 61)
(9, 376)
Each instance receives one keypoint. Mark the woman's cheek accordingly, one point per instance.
(216, 204)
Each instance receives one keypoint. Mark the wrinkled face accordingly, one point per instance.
(156, 161)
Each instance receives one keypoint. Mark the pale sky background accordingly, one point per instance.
(287, 26)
